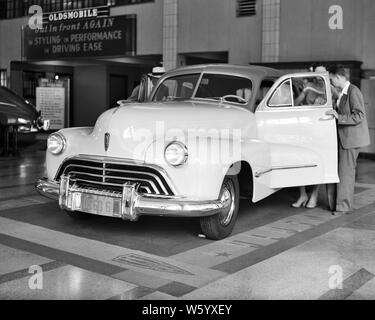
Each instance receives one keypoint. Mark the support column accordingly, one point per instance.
(271, 30)
(170, 20)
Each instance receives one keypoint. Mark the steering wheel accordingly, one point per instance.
(234, 97)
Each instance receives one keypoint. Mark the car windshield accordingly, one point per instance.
(176, 88)
(212, 86)
(227, 87)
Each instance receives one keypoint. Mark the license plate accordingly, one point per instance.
(95, 204)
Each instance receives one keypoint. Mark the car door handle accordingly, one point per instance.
(327, 118)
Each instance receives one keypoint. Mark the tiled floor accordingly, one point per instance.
(303, 272)
(275, 252)
(66, 283)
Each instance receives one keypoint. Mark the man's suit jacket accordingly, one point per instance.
(352, 123)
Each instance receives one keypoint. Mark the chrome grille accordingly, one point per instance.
(111, 176)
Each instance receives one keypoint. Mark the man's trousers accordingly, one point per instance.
(344, 190)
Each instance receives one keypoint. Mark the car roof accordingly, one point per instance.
(249, 70)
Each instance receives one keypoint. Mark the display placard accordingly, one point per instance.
(51, 102)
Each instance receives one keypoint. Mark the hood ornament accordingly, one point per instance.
(107, 138)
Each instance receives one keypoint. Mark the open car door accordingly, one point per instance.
(145, 88)
(302, 138)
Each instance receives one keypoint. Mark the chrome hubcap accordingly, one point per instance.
(227, 197)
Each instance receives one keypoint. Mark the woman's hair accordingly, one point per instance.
(316, 65)
(338, 69)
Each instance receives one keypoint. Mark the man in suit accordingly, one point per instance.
(353, 134)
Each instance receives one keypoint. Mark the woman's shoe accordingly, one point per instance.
(312, 204)
(301, 202)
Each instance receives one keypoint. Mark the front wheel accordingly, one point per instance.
(221, 225)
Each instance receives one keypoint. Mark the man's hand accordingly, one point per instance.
(332, 113)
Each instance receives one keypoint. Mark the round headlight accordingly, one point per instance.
(176, 154)
(56, 143)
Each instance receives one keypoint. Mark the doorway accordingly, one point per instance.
(118, 89)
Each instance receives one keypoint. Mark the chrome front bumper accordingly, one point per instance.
(131, 203)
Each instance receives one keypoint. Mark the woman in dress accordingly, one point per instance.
(312, 94)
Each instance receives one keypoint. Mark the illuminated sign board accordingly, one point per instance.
(98, 37)
(76, 14)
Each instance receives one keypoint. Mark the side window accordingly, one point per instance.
(309, 91)
(300, 91)
(282, 97)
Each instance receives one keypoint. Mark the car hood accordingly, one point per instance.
(133, 127)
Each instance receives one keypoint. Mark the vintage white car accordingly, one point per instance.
(208, 135)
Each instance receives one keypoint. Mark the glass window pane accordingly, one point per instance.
(216, 86)
(282, 96)
(179, 87)
(309, 91)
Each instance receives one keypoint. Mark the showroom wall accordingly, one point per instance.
(212, 26)
(305, 37)
(149, 25)
(10, 37)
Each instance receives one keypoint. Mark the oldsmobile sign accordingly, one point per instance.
(96, 37)
(76, 14)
